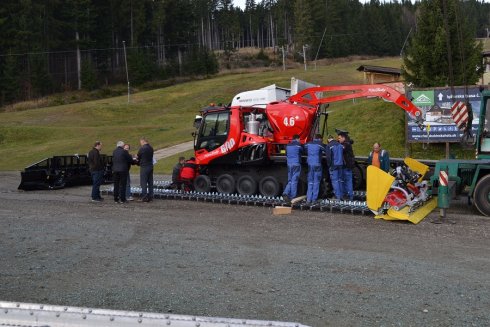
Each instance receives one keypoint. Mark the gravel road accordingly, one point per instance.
(319, 269)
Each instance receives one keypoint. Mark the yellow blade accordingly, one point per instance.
(417, 166)
(385, 217)
(378, 186)
(414, 217)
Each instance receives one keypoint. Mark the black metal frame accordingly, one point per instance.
(61, 171)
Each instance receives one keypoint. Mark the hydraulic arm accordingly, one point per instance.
(315, 96)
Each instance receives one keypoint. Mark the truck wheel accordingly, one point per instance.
(202, 183)
(246, 185)
(225, 184)
(481, 196)
(269, 186)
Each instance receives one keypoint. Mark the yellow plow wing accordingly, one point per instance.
(378, 187)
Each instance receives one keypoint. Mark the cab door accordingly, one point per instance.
(483, 145)
(213, 131)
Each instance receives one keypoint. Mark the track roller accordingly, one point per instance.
(225, 184)
(269, 186)
(246, 185)
(202, 183)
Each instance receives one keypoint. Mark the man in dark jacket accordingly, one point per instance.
(293, 156)
(349, 164)
(96, 167)
(145, 161)
(176, 182)
(121, 161)
(315, 150)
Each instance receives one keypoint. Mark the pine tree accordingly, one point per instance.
(303, 33)
(426, 62)
(41, 81)
(9, 81)
(88, 76)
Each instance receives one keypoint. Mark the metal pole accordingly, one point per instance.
(304, 55)
(321, 42)
(126, 64)
(404, 43)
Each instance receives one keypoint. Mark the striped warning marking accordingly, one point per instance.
(443, 178)
(459, 113)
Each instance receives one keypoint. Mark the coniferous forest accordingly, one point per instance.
(56, 45)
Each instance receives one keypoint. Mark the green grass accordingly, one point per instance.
(166, 116)
(166, 165)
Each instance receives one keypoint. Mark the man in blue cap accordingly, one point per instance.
(349, 164)
(335, 160)
(293, 155)
(315, 149)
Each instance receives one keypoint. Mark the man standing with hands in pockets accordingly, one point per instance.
(145, 161)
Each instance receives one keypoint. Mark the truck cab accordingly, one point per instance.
(483, 137)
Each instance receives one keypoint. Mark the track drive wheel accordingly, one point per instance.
(481, 196)
(269, 186)
(225, 184)
(246, 185)
(202, 183)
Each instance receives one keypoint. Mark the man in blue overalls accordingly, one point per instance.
(349, 164)
(293, 155)
(315, 150)
(335, 159)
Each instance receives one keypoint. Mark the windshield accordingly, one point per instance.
(214, 131)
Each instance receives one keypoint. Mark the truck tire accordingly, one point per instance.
(246, 185)
(202, 183)
(481, 195)
(269, 186)
(225, 184)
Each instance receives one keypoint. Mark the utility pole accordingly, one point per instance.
(126, 64)
(321, 42)
(304, 54)
(449, 59)
(404, 43)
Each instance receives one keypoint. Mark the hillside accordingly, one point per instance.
(166, 116)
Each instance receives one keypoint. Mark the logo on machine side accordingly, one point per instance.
(378, 89)
(228, 145)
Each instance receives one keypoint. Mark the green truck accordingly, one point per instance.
(467, 176)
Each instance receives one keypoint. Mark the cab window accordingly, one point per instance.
(214, 131)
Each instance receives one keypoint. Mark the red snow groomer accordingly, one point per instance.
(240, 148)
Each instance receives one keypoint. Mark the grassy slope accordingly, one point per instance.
(166, 115)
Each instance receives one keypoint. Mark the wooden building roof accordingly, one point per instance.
(379, 70)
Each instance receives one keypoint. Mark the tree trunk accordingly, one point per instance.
(78, 62)
(209, 31)
(131, 10)
(179, 54)
(272, 42)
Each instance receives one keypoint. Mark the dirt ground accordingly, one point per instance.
(319, 269)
